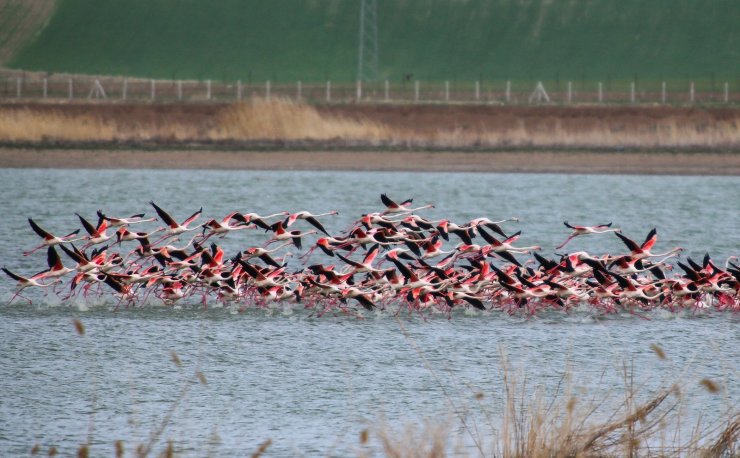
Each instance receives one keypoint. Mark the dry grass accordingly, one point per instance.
(597, 133)
(284, 120)
(568, 423)
(29, 126)
(259, 120)
(569, 426)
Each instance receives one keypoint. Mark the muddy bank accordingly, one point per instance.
(503, 162)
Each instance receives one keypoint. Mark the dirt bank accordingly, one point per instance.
(521, 161)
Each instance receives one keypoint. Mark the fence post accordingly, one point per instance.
(359, 90)
(447, 91)
(18, 91)
(662, 93)
(691, 92)
(153, 89)
(386, 88)
(179, 89)
(477, 90)
(71, 93)
(208, 89)
(416, 91)
(46, 87)
(239, 90)
(267, 90)
(328, 91)
(570, 92)
(601, 92)
(632, 92)
(727, 92)
(124, 91)
(299, 90)
(508, 91)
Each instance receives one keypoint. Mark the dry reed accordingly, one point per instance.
(538, 429)
(30, 126)
(566, 425)
(281, 119)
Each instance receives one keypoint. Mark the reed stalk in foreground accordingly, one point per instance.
(566, 425)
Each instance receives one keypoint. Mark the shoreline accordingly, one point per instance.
(565, 162)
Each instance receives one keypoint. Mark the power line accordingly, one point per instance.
(367, 53)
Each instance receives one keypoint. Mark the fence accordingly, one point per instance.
(35, 86)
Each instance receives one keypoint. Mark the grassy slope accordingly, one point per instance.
(20, 20)
(433, 39)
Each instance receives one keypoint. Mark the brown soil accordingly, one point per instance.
(505, 162)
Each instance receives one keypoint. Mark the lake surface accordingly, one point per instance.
(312, 384)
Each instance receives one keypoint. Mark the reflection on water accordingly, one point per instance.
(313, 383)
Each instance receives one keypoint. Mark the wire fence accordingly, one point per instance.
(22, 86)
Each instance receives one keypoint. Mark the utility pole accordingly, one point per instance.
(367, 53)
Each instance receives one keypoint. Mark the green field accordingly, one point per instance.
(458, 40)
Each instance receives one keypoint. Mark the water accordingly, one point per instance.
(312, 384)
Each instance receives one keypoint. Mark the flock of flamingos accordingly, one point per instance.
(394, 258)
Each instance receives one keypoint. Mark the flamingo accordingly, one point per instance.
(49, 239)
(360, 296)
(403, 207)
(309, 218)
(223, 227)
(643, 251)
(98, 234)
(263, 254)
(119, 222)
(366, 264)
(124, 235)
(492, 225)
(470, 299)
(25, 282)
(258, 220)
(585, 230)
(281, 234)
(369, 219)
(465, 232)
(56, 268)
(173, 227)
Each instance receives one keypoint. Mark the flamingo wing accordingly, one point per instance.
(13, 276)
(628, 242)
(192, 217)
(650, 240)
(315, 223)
(387, 201)
(88, 227)
(42, 233)
(164, 215)
(52, 258)
(513, 238)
